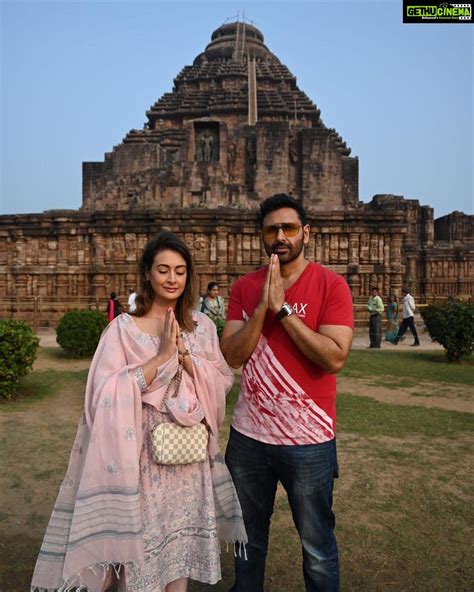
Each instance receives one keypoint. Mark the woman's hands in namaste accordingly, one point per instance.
(172, 342)
(169, 337)
(184, 356)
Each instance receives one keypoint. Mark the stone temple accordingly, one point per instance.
(235, 129)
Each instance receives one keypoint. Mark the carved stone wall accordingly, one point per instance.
(79, 257)
(456, 227)
(248, 164)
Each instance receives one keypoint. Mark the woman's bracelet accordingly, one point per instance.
(182, 355)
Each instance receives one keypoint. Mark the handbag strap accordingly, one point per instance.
(176, 381)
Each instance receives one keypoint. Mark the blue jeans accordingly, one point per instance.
(307, 473)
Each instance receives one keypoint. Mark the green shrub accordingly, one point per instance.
(79, 331)
(18, 348)
(452, 325)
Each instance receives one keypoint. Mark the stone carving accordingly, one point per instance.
(251, 151)
(199, 243)
(231, 155)
(250, 162)
(293, 147)
(206, 146)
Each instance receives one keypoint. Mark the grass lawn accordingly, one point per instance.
(425, 365)
(403, 501)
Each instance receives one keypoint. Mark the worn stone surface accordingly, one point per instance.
(199, 169)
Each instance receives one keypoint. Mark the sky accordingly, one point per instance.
(76, 76)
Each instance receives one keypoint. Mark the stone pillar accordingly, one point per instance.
(396, 264)
(411, 273)
(353, 279)
(354, 249)
(99, 247)
(222, 255)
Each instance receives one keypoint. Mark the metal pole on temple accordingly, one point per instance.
(236, 45)
(243, 38)
(252, 86)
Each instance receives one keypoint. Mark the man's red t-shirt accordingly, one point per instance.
(285, 398)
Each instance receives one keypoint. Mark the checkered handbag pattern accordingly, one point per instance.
(179, 445)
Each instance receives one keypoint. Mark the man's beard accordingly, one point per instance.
(291, 253)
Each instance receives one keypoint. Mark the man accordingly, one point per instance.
(408, 319)
(290, 323)
(375, 308)
(132, 307)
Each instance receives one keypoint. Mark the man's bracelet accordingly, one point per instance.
(184, 353)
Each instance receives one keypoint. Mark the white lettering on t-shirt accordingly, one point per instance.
(300, 308)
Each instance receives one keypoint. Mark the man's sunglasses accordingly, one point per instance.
(289, 229)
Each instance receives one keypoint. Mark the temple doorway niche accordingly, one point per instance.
(207, 141)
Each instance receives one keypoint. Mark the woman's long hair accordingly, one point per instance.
(167, 241)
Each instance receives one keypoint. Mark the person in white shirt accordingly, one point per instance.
(132, 307)
(408, 318)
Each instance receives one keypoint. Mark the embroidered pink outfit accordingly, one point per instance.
(116, 506)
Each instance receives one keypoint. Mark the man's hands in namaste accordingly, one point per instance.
(273, 294)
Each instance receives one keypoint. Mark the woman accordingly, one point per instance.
(114, 308)
(392, 319)
(213, 306)
(118, 511)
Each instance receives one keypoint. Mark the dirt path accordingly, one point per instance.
(453, 397)
(54, 359)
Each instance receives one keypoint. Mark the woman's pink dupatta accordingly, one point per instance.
(96, 520)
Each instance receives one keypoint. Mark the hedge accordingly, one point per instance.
(18, 349)
(452, 325)
(79, 331)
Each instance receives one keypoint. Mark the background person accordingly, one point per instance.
(408, 321)
(114, 308)
(392, 318)
(290, 324)
(375, 307)
(118, 511)
(213, 305)
(132, 307)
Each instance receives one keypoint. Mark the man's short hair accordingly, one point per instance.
(374, 288)
(405, 290)
(279, 201)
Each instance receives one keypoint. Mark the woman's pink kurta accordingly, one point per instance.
(116, 506)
